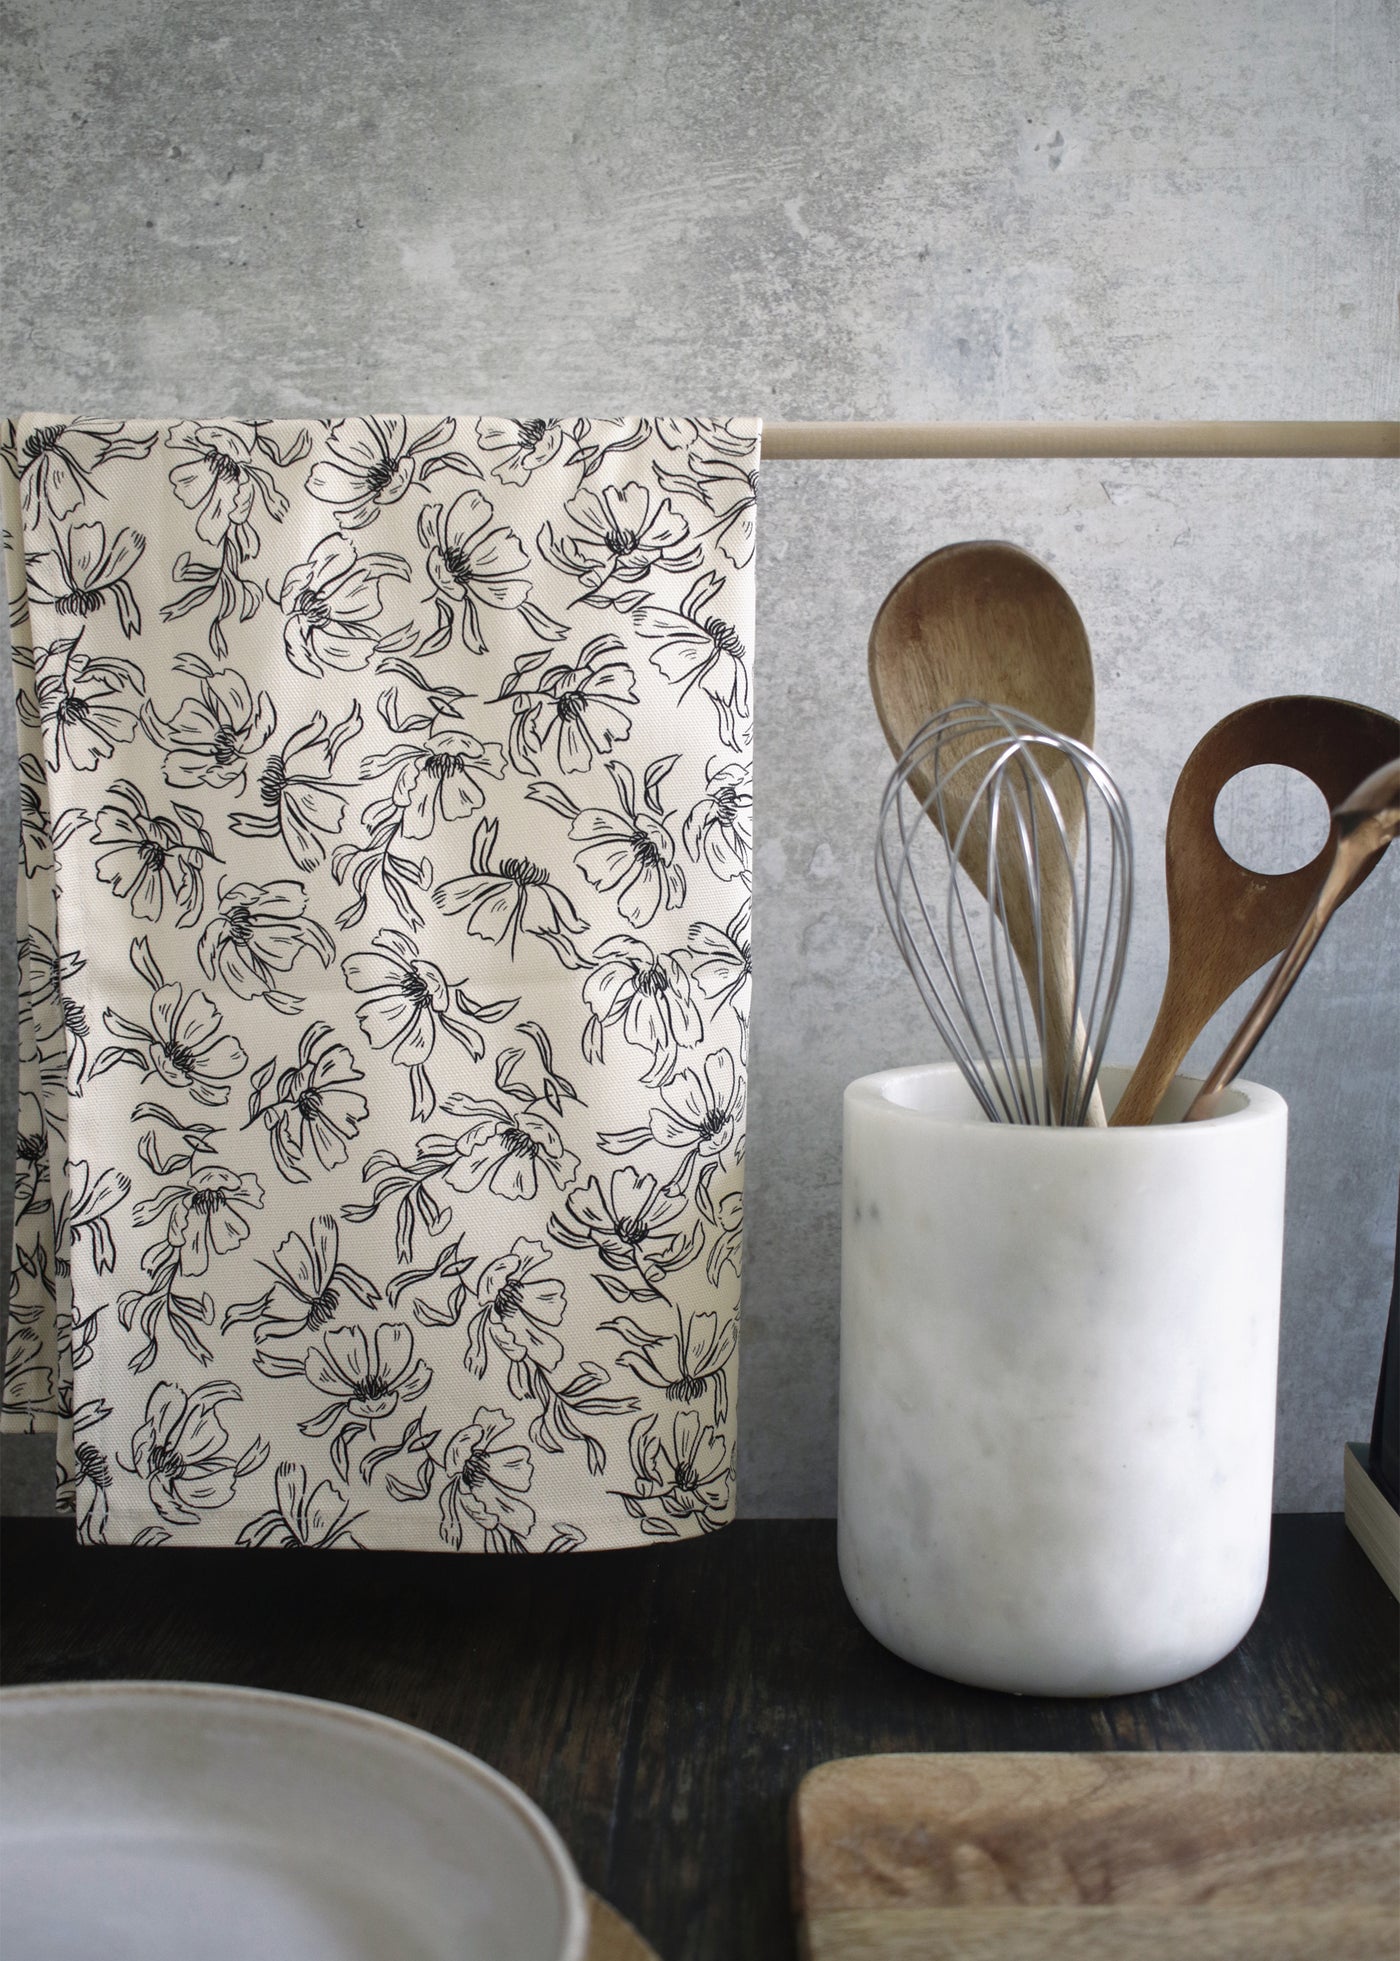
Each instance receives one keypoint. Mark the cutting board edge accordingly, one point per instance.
(849, 1774)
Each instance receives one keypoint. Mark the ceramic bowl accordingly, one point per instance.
(161, 1820)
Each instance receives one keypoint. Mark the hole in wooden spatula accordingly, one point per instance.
(1271, 819)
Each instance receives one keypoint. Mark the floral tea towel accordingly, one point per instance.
(384, 949)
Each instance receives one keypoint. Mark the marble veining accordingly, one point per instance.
(1058, 1374)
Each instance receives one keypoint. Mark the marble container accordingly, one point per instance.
(1059, 1357)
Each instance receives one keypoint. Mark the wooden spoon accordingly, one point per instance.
(1365, 828)
(987, 622)
(1225, 922)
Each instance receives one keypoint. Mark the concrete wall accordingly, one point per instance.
(924, 208)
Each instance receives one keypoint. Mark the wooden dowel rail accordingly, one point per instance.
(791, 441)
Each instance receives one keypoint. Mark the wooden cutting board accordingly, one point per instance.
(1182, 1856)
(611, 1938)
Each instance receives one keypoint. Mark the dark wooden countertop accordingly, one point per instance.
(662, 1705)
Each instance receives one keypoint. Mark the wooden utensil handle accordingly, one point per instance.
(1172, 1035)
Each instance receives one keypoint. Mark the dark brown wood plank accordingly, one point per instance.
(763, 1672)
(663, 1705)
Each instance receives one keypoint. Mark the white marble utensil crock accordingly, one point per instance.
(1059, 1359)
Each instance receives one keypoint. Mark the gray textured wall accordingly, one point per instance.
(925, 208)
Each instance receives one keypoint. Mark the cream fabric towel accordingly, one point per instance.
(384, 947)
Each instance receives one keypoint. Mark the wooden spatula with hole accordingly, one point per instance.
(1226, 922)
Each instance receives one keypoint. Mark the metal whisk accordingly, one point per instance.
(1030, 967)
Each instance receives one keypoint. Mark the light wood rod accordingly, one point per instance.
(790, 441)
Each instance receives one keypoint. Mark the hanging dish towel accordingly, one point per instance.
(384, 948)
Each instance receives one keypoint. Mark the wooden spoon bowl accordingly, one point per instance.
(980, 622)
(987, 622)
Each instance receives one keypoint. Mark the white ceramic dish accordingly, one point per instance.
(156, 1821)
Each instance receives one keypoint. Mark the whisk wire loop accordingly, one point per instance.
(1021, 982)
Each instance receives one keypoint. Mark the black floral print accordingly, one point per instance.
(302, 804)
(524, 447)
(408, 1000)
(374, 462)
(86, 1209)
(717, 828)
(213, 735)
(35, 836)
(519, 1307)
(648, 995)
(629, 850)
(219, 481)
(205, 1216)
(182, 1451)
(718, 476)
(505, 896)
(58, 464)
(727, 1246)
(87, 705)
(720, 962)
(385, 961)
(438, 1293)
(573, 712)
(699, 1114)
(53, 1024)
(478, 567)
(481, 1485)
(311, 1111)
(31, 1156)
(683, 1479)
(311, 1285)
(627, 1227)
(257, 933)
(696, 647)
(205, 1213)
(720, 958)
(181, 1041)
(381, 869)
(506, 1149)
(438, 776)
(616, 538)
(681, 433)
(365, 1382)
(683, 1364)
(83, 569)
(148, 858)
(173, 1143)
(411, 1456)
(166, 1304)
(29, 1376)
(91, 1477)
(302, 1517)
(331, 605)
(223, 585)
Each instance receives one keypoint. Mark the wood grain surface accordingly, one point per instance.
(1226, 921)
(611, 1938)
(662, 1706)
(1016, 1856)
(1104, 1934)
